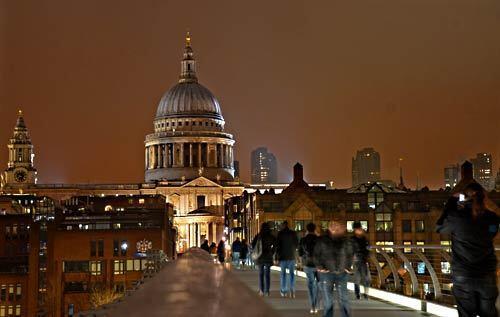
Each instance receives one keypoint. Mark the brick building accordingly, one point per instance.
(390, 215)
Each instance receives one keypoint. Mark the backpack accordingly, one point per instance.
(257, 250)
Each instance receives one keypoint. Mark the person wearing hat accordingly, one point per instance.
(360, 263)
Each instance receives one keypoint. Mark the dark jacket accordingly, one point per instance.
(473, 252)
(236, 246)
(306, 249)
(360, 248)
(268, 248)
(287, 245)
(244, 251)
(205, 247)
(333, 253)
(221, 249)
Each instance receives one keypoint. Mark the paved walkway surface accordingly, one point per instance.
(299, 306)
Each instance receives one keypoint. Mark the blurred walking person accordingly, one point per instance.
(236, 251)
(244, 252)
(306, 253)
(333, 260)
(221, 251)
(474, 263)
(286, 252)
(360, 265)
(263, 249)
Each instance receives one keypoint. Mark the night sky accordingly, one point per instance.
(312, 80)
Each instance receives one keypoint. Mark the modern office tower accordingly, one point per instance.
(264, 166)
(483, 170)
(366, 167)
(451, 175)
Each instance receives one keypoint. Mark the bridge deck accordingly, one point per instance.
(300, 305)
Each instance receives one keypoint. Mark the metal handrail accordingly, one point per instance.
(420, 271)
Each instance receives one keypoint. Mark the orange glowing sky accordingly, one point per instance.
(312, 80)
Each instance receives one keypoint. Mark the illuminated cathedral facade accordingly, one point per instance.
(189, 159)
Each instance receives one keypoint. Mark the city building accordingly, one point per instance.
(451, 175)
(189, 160)
(56, 258)
(497, 181)
(20, 167)
(391, 216)
(264, 166)
(365, 167)
(483, 170)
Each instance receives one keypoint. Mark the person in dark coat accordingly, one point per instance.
(244, 252)
(264, 246)
(236, 252)
(286, 252)
(474, 263)
(205, 246)
(221, 251)
(333, 260)
(306, 253)
(361, 252)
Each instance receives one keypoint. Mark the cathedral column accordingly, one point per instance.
(146, 158)
(181, 158)
(214, 163)
(190, 154)
(199, 154)
(214, 232)
(231, 157)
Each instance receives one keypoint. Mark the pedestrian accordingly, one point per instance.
(286, 250)
(360, 264)
(205, 246)
(306, 253)
(333, 260)
(236, 250)
(472, 226)
(213, 248)
(221, 251)
(244, 252)
(263, 250)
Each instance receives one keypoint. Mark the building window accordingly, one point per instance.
(421, 243)
(141, 201)
(19, 291)
(396, 206)
(119, 267)
(3, 293)
(383, 222)
(324, 224)
(299, 225)
(116, 248)
(419, 226)
(11, 292)
(2, 311)
(275, 225)
(76, 266)
(407, 250)
(356, 206)
(136, 265)
(200, 201)
(445, 268)
(446, 244)
(406, 226)
(18, 310)
(384, 244)
(100, 248)
(93, 248)
(374, 199)
(350, 223)
(95, 267)
(10, 310)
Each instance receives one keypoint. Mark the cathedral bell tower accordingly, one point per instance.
(20, 171)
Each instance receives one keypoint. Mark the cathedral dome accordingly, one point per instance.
(189, 99)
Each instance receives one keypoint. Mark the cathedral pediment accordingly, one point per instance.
(201, 182)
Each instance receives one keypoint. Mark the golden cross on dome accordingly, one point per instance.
(188, 39)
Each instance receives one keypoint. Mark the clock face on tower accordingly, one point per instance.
(20, 176)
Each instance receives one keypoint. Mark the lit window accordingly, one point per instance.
(350, 223)
(419, 226)
(356, 206)
(445, 268)
(95, 267)
(407, 250)
(421, 243)
(119, 267)
(108, 208)
(141, 201)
